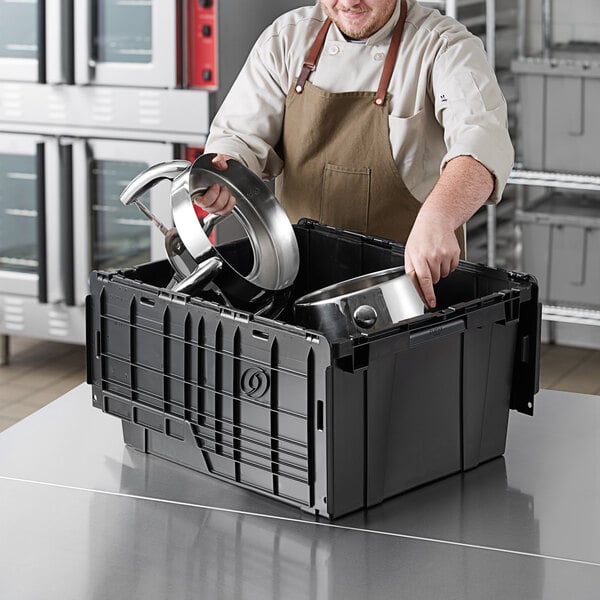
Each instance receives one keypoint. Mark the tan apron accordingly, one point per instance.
(338, 162)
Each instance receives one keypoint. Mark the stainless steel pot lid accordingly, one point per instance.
(363, 304)
(271, 260)
(269, 231)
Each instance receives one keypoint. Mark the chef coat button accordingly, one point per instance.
(379, 56)
(333, 50)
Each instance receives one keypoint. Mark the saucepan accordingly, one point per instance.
(271, 242)
(361, 305)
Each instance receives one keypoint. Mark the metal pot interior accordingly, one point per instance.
(350, 286)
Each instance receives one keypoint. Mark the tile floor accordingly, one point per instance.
(40, 371)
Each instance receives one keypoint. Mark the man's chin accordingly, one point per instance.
(354, 33)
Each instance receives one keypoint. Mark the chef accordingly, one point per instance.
(378, 116)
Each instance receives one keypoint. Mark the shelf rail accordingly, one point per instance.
(570, 314)
(555, 180)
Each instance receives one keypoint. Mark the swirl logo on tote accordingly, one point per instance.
(255, 382)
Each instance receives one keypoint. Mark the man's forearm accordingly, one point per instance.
(463, 187)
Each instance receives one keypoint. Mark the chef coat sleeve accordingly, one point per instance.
(471, 108)
(248, 124)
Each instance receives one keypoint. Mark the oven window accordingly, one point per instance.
(121, 234)
(18, 214)
(19, 29)
(123, 31)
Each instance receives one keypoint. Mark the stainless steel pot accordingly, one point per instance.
(360, 305)
(272, 243)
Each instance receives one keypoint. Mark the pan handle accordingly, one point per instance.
(209, 222)
(202, 275)
(150, 177)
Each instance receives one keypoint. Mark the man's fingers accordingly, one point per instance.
(229, 206)
(208, 199)
(432, 270)
(454, 264)
(448, 265)
(426, 283)
(220, 162)
(446, 268)
(420, 276)
(217, 199)
(426, 277)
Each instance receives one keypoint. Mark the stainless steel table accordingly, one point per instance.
(84, 517)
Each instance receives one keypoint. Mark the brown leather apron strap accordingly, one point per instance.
(312, 57)
(390, 59)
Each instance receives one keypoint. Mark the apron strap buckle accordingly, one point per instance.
(307, 69)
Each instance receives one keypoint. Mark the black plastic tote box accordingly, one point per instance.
(330, 426)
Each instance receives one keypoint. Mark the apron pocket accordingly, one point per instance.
(345, 197)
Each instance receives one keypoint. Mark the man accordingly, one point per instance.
(378, 116)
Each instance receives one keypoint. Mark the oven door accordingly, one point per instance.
(133, 43)
(21, 40)
(34, 210)
(34, 41)
(106, 234)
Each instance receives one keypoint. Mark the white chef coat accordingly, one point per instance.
(445, 99)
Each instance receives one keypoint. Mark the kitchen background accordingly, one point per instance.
(91, 93)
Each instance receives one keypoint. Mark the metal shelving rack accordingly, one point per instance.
(556, 180)
(487, 18)
(522, 177)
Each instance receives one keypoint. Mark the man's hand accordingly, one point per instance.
(432, 250)
(217, 198)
